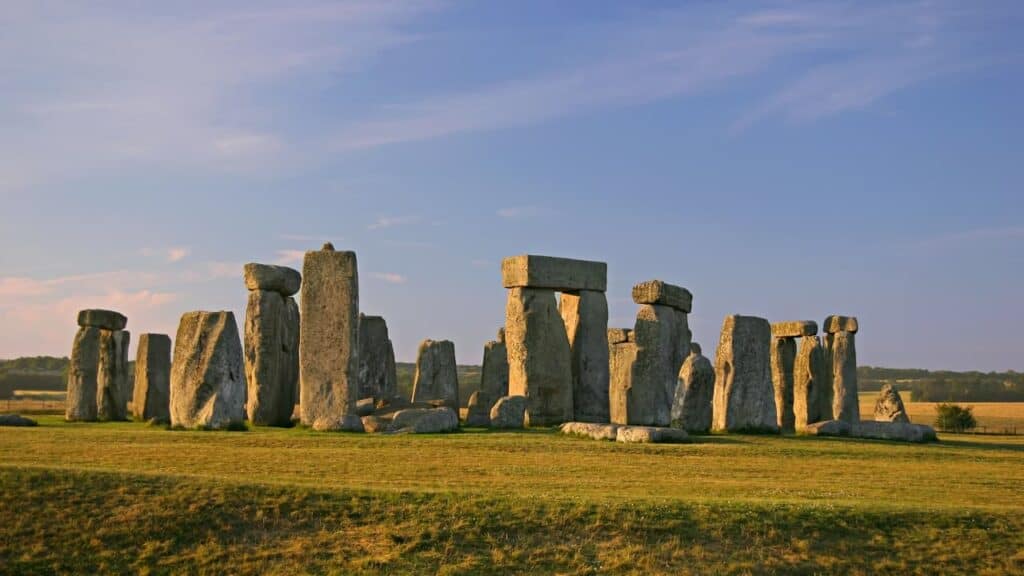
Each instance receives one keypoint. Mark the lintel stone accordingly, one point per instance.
(794, 329)
(664, 294)
(561, 274)
(834, 324)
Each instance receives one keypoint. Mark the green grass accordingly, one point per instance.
(127, 497)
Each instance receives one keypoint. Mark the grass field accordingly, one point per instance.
(128, 497)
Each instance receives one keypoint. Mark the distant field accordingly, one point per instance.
(993, 417)
(128, 497)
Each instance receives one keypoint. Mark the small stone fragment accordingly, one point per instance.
(889, 406)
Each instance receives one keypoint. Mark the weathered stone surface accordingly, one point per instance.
(845, 398)
(477, 414)
(80, 404)
(494, 372)
(691, 406)
(744, 397)
(664, 294)
(501, 335)
(436, 375)
(151, 401)
(899, 431)
(591, 430)
(794, 329)
(649, 435)
(585, 314)
(424, 421)
(834, 324)
(207, 376)
(112, 380)
(621, 399)
(563, 274)
(662, 345)
(618, 335)
(291, 347)
(328, 348)
(509, 412)
(783, 361)
(281, 279)
(539, 359)
(271, 364)
(378, 378)
(889, 406)
(16, 420)
(365, 407)
(373, 424)
(105, 319)
(812, 388)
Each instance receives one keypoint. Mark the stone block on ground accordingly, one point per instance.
(16, 420)
(509, 412)
(664, 294)
(650, 435)
(563, 274)
(424, 421)
(436, 376)
(744, 398)
(105, 319)
(591, 430)
(281, 279)
(898, 431)
(207, 375)
(151, 401)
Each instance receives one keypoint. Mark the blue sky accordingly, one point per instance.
(783, 159)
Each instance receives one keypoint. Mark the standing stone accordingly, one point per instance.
(436, 374)
(585, 314)
(494, 371)
(329, 346)
(377, 375)
(477, 414)
(270, 361)
(82, 375)
(691, 406)
(112, 379)
(845, 398)
(539, 358)
(509, 412)
(152, 397)
(744, 396)
(655, 372)
(889, 406)
(783, 360)
(293, 323)
(623, 404)
(207, 376)
(812, 390)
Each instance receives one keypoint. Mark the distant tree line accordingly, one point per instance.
(946, 386)
(32, 373)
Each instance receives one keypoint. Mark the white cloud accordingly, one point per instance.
(177, 254)
(389, 277)
(391, 221)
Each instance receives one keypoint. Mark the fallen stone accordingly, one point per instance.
(899, 431)
(834, 324)
(83, 371)
(112, 380)
(105, 319)
(691, 405)
(650, 435)
(16, 420)
(562, 274)
(281, 279)
(783, 360)
(424, 421)
(812, 387)
(794, 329)
(365, 407)
(744, 397)
(585, 314)
(889, 406)
(664, 294)
(373, 424)
(151, 401)
(436, 375)
(207, 376)
(591, 430)
(509, 412)
(329, 355)
(377, 374)
(845, 393)
(539, 358)
(270, 365)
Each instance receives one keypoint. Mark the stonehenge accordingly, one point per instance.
(898, 431)
(477, 414)
(889, 406)
(557, 354)
(624, 434)
(645, 366)
(436, 376)
(509, 412)
(328, 344)
(812, 388)
(271, 344)
(493, 381)
(841, 352)
(151, 401)
(783, 362)
(98, 373)
(378, 377)
(208, 388)
(691, 405)
(744, 398)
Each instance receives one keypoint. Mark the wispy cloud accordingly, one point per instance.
(389, 277)
(392, 221)
(177, 254)
(285, 257)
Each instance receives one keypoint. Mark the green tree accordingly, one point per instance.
(955, 418)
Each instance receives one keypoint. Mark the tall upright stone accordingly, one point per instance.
(271, 343)
(691, 407)
(329, 346)
(112, 379)
(842, 352)
(539, 357)
(783, 360)
(436, 375)
(494, 372)
(378, 378)
(624, 404)
(812, 392)
(82, 375)
(151, 401)
(744, 397)
(585, 314)
(207, 375)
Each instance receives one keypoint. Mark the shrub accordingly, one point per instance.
(954, 418)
